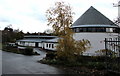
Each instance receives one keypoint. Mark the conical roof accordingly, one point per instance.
(93, 17)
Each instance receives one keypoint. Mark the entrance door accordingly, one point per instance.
(36, 44)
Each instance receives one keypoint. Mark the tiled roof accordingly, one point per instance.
(93, 17)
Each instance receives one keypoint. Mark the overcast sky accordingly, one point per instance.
(29, 15)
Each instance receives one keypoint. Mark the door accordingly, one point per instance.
(36, 44)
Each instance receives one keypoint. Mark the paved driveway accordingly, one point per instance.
(20, 64)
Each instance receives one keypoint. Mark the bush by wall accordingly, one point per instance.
(28, 51)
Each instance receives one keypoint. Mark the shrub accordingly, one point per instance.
(96, 65)
(50, 55)
(28, 51)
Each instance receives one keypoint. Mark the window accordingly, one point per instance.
(46, 45)
(74, 29)
(93, 29)
(77, 30)
(84, 29)
(107, 29)
(52, 45)
(89, 29)
(116, 30)
(81, 29)
(49, 45)
(111, 29)
(103, 29)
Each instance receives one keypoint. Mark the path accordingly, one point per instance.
(20, 64)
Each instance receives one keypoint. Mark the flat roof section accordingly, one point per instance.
(38, 36)
(31, 40)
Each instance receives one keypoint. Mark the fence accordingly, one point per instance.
(113, 60)
(113, 44)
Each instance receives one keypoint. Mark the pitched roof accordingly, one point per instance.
(93, 17)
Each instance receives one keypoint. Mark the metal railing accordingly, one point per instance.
(113, 60)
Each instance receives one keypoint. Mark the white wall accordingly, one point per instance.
(31, 44)
(40, 45)
(96, 40)
(26, 44)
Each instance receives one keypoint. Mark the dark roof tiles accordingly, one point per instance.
(93, 17)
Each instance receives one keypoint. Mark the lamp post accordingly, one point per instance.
(118, 5)
(119, 29)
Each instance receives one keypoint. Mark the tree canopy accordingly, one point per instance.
(11, 35)
(60, 17)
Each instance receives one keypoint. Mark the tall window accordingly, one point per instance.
(46, 45)
(52, 45)
(49, 45)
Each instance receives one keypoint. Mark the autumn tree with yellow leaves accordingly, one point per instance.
(60, 17)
